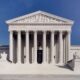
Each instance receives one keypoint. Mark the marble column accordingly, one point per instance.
(11, 46)
(61, 47)
(44, 47)
(19, 47)
(35, 46)
(68, 40)
(66, 43)
(52, 48)
(64, 49)
(27, 46)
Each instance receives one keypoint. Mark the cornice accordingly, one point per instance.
(47, 24)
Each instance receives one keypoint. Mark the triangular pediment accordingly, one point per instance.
(39, 17)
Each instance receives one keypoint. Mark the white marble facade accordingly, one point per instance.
(40, 37)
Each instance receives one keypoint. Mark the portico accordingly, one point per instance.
(40, 38)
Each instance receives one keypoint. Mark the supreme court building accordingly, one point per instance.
(40, 37)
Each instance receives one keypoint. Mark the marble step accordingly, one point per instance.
(39, 77)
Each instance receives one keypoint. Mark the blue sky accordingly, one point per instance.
(65, 8)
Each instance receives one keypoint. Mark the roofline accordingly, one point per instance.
(59, 17)
(33, 13)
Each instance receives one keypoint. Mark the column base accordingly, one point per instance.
(60, 64)
(52, 63)
(45, 63)
(19, 63)
(34, 63)
(26, 63)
